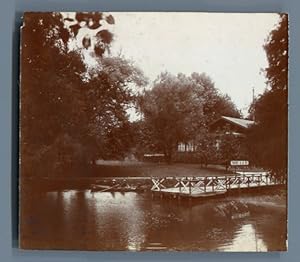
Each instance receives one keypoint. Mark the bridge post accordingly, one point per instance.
(180, 185)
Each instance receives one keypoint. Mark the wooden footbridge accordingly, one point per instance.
(189, 187)
(211, 186)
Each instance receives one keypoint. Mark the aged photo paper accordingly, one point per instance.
(144, 131)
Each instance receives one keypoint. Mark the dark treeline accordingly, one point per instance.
(72, 115)
(268, 137)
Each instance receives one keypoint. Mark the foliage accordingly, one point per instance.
(179, 109)
(207, 151)
(231, 147)
(172, 110)
(215, 104)
(276, 49)
(268, 137)
(70, 111)
(109, 95)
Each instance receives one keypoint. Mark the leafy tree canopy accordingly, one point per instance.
(179, 108)
(74, 95)
(268, 137)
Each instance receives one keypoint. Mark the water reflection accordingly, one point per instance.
(104, 221)
(246, 239)
(121, 215)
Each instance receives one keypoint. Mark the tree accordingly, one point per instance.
(68, 107)
(206, 149)
(172, 111)
(276, 48)
(109, 95)
(179, 109)
(215, 104)
(268, 137)
(231, 147)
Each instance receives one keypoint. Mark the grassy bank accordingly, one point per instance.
(109, 169)
(155, 170)
(140, 171)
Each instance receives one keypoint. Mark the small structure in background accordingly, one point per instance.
(155, 157)
(235, 128)
(230, 136)
(232, 125)
(186, 147)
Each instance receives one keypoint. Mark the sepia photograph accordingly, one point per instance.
(153, 131)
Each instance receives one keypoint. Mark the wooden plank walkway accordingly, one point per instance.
(211, 186)
(191, 187)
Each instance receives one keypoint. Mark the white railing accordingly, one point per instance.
(214, 183)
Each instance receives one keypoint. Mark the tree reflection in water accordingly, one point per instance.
(104, 221)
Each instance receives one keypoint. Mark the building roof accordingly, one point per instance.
(245, 123)
(240, 122)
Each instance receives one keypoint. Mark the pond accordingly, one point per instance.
(79, 219)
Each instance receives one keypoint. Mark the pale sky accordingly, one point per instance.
(227, 47)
